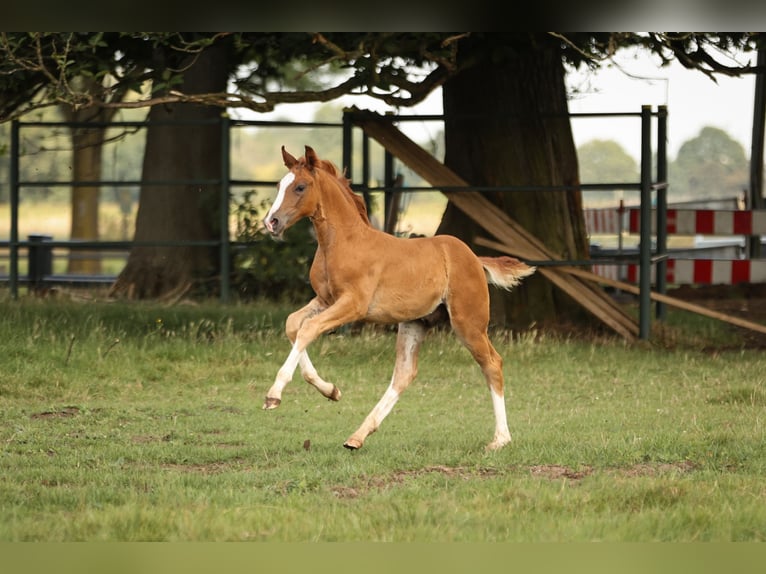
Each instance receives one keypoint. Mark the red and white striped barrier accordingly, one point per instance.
(705, 222)
(686, 222)
(706, 271)
(609, 271)
(680, 221)
(606, 221)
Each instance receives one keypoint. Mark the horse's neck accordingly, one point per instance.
(337, 219)
(332, 227)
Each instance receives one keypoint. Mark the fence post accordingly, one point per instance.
(40, 261)
(388, 193)
(662, 208)
(348, 144)
(366, 172)
(755, 201)
(13, 177)
(645, 245)
(225, 252)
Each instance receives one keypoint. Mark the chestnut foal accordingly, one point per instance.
(362, 274)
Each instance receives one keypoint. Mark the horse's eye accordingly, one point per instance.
(300, 188)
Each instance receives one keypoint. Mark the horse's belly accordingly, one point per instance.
(399, 305)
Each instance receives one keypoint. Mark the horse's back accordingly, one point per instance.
(457, 256)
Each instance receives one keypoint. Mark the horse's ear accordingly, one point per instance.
(311, 158)
(289, 160)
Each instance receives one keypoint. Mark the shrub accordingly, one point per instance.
(263, 267)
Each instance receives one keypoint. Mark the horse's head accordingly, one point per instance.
(296, 193)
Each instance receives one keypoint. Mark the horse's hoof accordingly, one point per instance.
(271, 403)
(335, 394)
(352, 444)
(497, 445)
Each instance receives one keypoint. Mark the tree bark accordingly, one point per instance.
(174, 212)
(85, 199)
(87, 145)
(514, 131)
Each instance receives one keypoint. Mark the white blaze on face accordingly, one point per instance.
(282, 189)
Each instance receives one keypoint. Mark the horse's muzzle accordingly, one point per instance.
(275, 226)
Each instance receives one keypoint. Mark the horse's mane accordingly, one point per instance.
(345, 184)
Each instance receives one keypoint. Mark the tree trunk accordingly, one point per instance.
(85, 199)
(174, 212)
(514, 131)
(87, 145)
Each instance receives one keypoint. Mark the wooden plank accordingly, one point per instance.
(512, 236)
(679, 303)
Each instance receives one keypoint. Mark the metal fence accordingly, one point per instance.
(39, 248)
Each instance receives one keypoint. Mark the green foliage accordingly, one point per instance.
(708, 166)
(40, 68)
(711, 165)
(263, 267)
(140, 422)
(605, 161)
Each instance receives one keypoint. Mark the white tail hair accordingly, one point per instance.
(505, 272)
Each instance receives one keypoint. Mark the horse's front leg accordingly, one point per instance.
(284, 376)
(294, 322)
(309, 373)
(314, 321)
(408, 341)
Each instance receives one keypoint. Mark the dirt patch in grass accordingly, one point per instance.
(63, 413)
(452, 471)
(542, 471)
(215, 467)
(399, 477)
(554, 471)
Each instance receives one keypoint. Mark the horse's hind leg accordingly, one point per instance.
(473, 334)
(309, 373)
(493, 372)
(407, 346)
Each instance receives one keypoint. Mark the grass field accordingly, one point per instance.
(143, 423)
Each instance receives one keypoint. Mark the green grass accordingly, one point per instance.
(140, 422)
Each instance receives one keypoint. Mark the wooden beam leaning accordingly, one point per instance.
(679, 303)
(513, 238)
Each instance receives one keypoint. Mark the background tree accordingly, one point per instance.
(709, 166)
(171, 212)
(524, 96)
(87, 145)
(605, 161)
(32, 73)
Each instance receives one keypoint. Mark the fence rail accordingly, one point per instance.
(646, 186)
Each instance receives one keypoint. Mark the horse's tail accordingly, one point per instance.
(505, 272)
